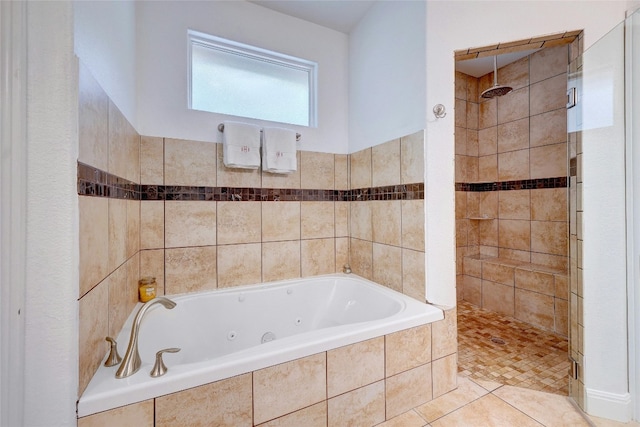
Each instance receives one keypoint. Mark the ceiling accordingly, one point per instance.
(339, 15)
(478, 67)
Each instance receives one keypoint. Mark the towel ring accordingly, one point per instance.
(221, 129)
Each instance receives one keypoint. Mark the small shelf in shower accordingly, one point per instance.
(480, 218)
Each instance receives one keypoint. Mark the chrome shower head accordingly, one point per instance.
(496, 89)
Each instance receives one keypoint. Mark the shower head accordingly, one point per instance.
(496, 89)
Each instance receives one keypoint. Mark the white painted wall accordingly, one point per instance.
(457, 25)
(51, 338)
(387, 74)
(162, 67)
(104, 36)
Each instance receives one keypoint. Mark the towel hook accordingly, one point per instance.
(439, 111)
(221, 129)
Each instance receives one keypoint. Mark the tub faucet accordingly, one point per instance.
(131, 361)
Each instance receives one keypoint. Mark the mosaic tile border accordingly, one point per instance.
(95, 182)
(525, 184)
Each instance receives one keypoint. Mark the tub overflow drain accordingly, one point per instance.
(269, 336)
(498, 340)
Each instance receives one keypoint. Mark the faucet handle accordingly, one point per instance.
(113, 358)
(159, 369)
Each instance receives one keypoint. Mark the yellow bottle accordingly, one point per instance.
(147, 288)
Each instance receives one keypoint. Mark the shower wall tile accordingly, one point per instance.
(549, 62)
(488, 141)
(342, 253)
(387, 266)
(239, 264)
(122, 294)
(341, 210)
(413, 274)
(238, 222)
(317, 170)
(94, 241)
(472, 115)
(488, 114)
(93, 119)
(549, 128)
(386, 218)
(361, 169)
(189, 223)
(412, 158)
(191, 163)
(385, 163)
(280, 221)
(513, 106)
(473, 142)
(133, 227)
(561, 312)
(117, 232)
(488, 233)
(222, 403)
(514, 234)
(152, 224)
(412, 224)
(513, 135)
(488, 168)
(549, 204)
(231, 177)
(513, 165)
(124, 146)
(461, 86)
(191, 269)
(151, 160)
(499, 273)
(535, 281)
(461, 113)
(361, 225)
(534, 308)
(472, 290)
(276, 391)
(94, 327)
(139, 414)
(280, 260)
(341, 178)
(497, 297)
(515, 74)
(549, 94)
(472, 90)
(361, 255)
(549, 237)
(515, 204)
(364, 406)
(460, 141)
(318, 256)
(354, 366)
(152, 264)
(408, 389)
(317, 220)
(549, 161)
(489, 204)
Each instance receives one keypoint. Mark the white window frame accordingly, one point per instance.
(258, 54)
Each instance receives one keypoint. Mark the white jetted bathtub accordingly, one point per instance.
(232, 331)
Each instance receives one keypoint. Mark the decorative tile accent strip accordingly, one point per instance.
(95, 182)
(526, 184)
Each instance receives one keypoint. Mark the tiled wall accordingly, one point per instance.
(511, 198)
(387, 234)
(361, 384)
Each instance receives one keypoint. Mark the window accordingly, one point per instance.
(227, 77)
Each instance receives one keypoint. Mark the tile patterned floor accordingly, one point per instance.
(492, 347)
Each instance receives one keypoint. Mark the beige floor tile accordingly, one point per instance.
(466, 392)
(549, 409)
(408, 419)
(487, 411)
(601, 422)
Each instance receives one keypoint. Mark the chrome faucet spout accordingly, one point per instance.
(131, 361)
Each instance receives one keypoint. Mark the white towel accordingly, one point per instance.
(241, 145)
(279, 150)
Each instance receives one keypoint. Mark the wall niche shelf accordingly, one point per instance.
(480, 218)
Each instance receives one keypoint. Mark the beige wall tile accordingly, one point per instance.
(549, 161)
(341, 179)
(488, 232)
(473, 204)
(461, 85)
(280, 260)
(549, 95)
(387, 266)
(555, 261)
(561, 282)
(93, 113)
(408, 390)
(225, 403)
(152, 224)
(514, 204)
(549, 128)
(535, 309)
(317, 256)
(472, 89)
(230, 177)
(361, 227)
(473, 142)
(444, 335)
(413, 274)
(117, 232)
(138, 414)
(549, 237)
(279, 180)
(288, 387)
(413, 224)
(513, 165)
(385, 163)
(361, 256)
(123, 295)
(342, 218)
(152, 264)
(342, 253)
(461, 204)
(94, 241)
(497, 272)
(312, 416)
(151, 160)
(487, 114)
(355, 366)
(514, 234)
(239, 264)
(513, 106)
(239, 222)
(460, 141)
(133, 227)
(489, 204)
(93, 329)
(514, 254)
(472, 115)
(549, 204)
(549, 62)
(472, 290)
(513, 135)
(488, 168)
(362, 407)
(445, 374)
(407, 349)
(472, 267)
(460, 112)
(190, 223)
(461, 232)
(498, 298)
(317, 170)
(190, 163)
(317, 220)
(488, 141)
(280, 221)
(190, 269)
(561, 317)
(124, 146)
(515, 74)
(536, 281)
(361, 169)
(386, 218)
(412, 158)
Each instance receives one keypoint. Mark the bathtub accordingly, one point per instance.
(231, 331)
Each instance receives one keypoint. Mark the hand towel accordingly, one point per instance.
(241, 145)
(279, 150)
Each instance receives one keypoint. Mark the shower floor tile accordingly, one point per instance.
(493, 347)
